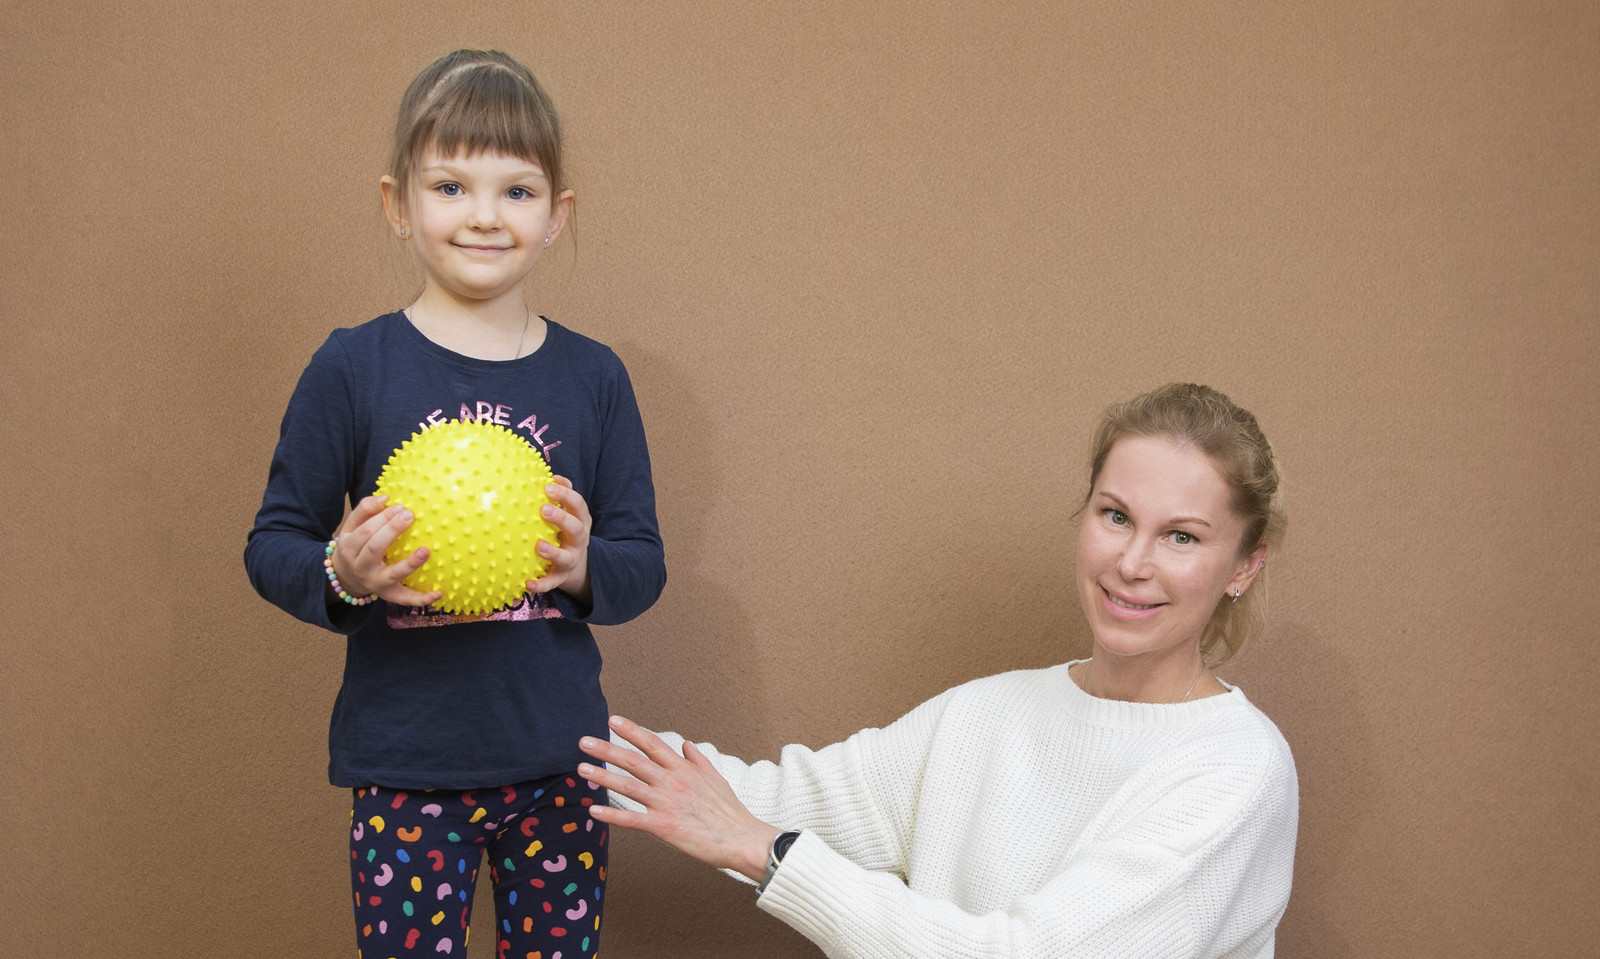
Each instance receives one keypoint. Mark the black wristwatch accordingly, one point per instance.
(780, 847)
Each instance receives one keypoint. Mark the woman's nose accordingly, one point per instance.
(1134, 563)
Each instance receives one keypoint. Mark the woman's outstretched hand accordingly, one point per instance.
(688, 805)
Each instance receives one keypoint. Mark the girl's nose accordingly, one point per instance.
(485, 213)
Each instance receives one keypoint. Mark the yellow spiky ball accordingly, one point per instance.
(476, 490)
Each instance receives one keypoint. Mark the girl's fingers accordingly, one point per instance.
(403, 595)
(369, 507)
(409, 564)
(569, 524)
(572, 502)
(382, 530)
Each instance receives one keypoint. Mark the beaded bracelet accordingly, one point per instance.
(333, 579)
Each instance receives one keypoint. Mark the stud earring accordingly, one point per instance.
(546, 241)
(403, 232)
(1236, 594)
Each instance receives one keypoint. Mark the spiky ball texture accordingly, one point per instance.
(476, 490)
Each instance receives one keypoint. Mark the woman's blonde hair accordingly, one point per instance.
(1199, 416)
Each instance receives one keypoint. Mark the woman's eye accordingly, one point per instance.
(1117, 517)
(1181, 538)
(449, 189)
(518, 193)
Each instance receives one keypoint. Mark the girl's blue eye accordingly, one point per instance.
(1117, 517)
(518, 193)
(450, 189)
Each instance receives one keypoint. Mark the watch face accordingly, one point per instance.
(780, 846)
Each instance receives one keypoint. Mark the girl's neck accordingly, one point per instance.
(499, 329)
(1178, 678)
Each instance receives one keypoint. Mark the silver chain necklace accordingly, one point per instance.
(527, 318)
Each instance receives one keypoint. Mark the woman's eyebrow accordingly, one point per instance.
(1121, 505)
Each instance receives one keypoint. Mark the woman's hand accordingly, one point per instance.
(364, 536)
(688, 805)
(569, 562)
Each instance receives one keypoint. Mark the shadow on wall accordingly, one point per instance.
(1333, 746)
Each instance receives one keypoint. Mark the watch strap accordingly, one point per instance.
(775, 853)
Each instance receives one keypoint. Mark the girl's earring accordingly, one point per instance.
(546, 241)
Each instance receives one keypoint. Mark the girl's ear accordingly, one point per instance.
(393, 209)
(560, 210)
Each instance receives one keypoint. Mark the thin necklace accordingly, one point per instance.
(1192, 683)
(527, 317)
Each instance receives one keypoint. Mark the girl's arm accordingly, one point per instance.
(624, 564)
(313, 466)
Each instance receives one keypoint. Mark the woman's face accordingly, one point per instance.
(1158, 550)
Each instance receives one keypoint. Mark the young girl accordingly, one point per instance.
(458, 734)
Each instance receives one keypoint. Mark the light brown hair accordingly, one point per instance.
(470, 101)
(1199, 416)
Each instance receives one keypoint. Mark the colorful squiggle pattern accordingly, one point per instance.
(414, 860)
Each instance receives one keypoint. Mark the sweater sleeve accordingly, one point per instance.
(312, 469)
(627, 565)
(1204, 870)
(857, 796)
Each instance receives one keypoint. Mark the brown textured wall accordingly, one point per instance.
(875, 267)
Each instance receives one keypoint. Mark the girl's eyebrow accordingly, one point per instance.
(1176, 520)
(455, 171)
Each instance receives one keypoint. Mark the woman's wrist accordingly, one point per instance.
(753, 853)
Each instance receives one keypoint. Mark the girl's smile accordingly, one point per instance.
(480, 222)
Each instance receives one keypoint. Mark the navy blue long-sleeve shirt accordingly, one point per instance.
(432, 700)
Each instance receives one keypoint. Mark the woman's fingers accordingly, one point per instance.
(687, 804)
(638, 765)
(652, 746)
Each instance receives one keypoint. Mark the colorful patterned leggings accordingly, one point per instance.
(414, 861)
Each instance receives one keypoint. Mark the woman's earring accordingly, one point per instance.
(546, 241)
(403, 232)
(1236, 594)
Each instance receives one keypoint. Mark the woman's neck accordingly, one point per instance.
(499, 329)
(1177, 678)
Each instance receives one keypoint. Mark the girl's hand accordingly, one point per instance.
(569, 562)
(688, 805)
(364, 536)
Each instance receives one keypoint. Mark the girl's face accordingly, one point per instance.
(479, 222)
(1159, 548)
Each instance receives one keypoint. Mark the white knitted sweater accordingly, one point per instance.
(1018, 816)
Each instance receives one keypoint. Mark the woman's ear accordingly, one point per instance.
(1249, 568)
(393, 209)
(559, 211)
